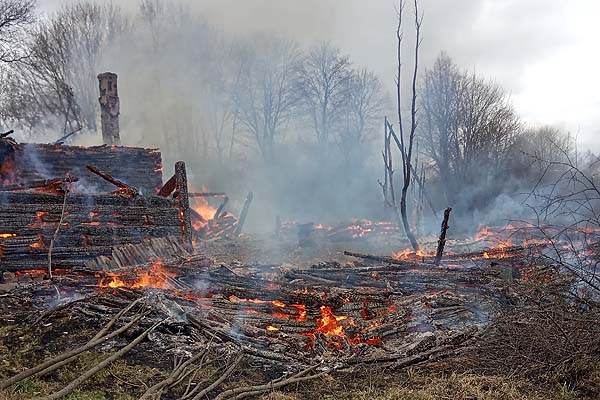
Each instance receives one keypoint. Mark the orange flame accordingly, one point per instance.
(157, 277)
(408, 254)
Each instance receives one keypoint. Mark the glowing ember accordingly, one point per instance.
(271, 328)
(7, 235)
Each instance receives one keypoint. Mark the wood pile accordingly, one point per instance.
(91, 226)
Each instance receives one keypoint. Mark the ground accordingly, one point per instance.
(26, 340)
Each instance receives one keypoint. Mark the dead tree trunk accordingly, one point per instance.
(407, 151)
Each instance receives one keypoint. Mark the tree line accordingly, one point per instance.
(199, 93)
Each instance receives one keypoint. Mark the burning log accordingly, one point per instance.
(221, 207)
(384, 259)
(125, 188)
(442, 240)
(244, 213)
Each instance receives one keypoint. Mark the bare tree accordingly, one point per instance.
(404, 142)
(16, 17)
(323, 82)
(265, 98)
(59, 76)
(365, 105)
(469, 128)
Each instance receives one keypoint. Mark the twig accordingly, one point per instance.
(219, 380)
(100, 366)
(172, 378)
(68, 135)
(69, 356)
(246, 391)
(62, 216)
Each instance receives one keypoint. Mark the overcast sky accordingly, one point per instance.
(544, 52)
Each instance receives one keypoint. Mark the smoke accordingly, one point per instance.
(170, 70)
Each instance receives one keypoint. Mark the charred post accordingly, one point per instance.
(109, 108)
(183, 202)
(442, 240)
(244, 213)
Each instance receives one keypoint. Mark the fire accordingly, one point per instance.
(271, 328)
(333, 326)
(408, 254)
(329, 324)
(7, 235)
(157, 277)
(205, 210)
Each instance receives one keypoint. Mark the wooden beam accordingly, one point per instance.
(183, 201)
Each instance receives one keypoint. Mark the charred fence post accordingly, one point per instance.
(442, 240)
(183, 202)
(109, 107)
(244, 213)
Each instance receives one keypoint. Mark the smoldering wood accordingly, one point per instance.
(140, 168)
(442, 240)
(221, 207)
(39, 183)
(91, 226)
(183, 202)
(130, 191)
(168, 187)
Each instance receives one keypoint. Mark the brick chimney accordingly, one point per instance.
(109, 108)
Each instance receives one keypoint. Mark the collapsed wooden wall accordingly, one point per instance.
(92, 226)
(138, 167)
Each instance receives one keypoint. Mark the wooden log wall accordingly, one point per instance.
(138, 167)
(92, 226)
